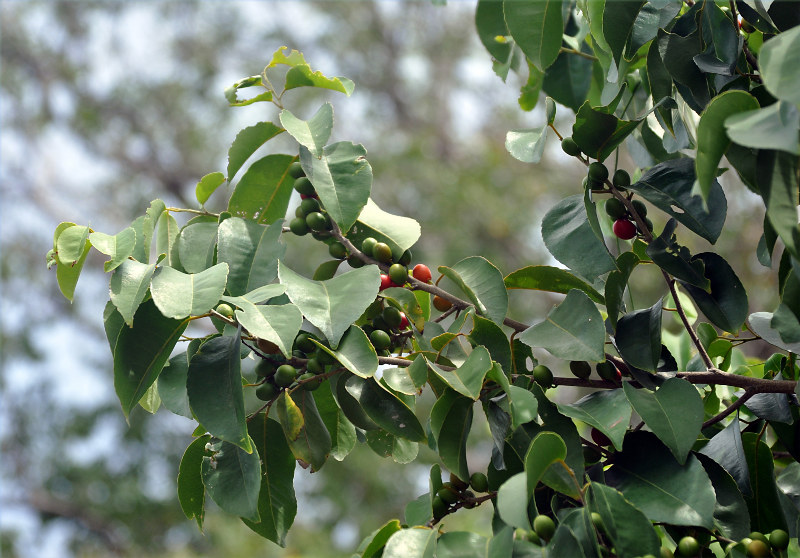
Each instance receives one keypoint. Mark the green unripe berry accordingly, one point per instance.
(438, 507)
(225, 309)
(607, 371)
(337, 250)
(569, 147)
(597, 521)
(543, 376)
(447, 495)
(580, 368)
(398, 273)
(758, 536)
(779, 539)
(688, 546)
(266, 392)
(304, 342)
(309, 381)
(316, 221)
(758, 549)
(368, 246)
(382, 252)
(405, 258)
(392, 316)
(296, 170)
(299, 226)
(621, 179)
(309, 205)
(354, 261)
(380, 339)
(639, 207)
(544, 526)
(598, 172)
(324, 357)
(304, 186)
(265, 368)
(479, 482)
(314, 366)
(285, 375)
(615, 208)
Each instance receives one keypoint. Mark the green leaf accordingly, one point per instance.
(387, 410)
(568, 80)
(373, 544)
(196, 244)
(312, 134)
(355, 352)
(166, 236)
(277, 324)
(483, 284)
(569, 237)
(247, 142)
(191, 491)
(512, 501)
(628, 529)
(761, 324)
(342, 431)
(232, 477)
(537, 28)
(764, 504)
(608, 411)
(461, 544)
(616, 283)
(179, 295)
(172, 385)
(251, 251)
(490, 335)
(778, 184)
(215, 392)
(730, 512)
(726, 304)
(303, 76)
(119, 246)
(619, 18)
(349, 404)
(527, 145)
(638, 337)
(573, 330)
(408, 379)
(675, 259)
(141, 351)
(598, 132)
(231, 93)
(302, 424)
(326, 270)
(678, 54)
(72, 247)
(490, 24)
(277, 504)
(416, 542)
(386, 444)
(332, 305)
(551, 279)
(467, 379)
(712, 140)
(547, 450)
(778, 61)
(129, 285)
(264, 190)
(772, 127)
(400, 233)
(451, 420)
(408, 302)
(668, 186)
(522, 404)
(649, 477)
(726, 449)
(342, 177)
(207, 186)
(678, 431)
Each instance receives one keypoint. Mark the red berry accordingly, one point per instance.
(403, 321)
(386, 282)
(422, 273)
(624, 229)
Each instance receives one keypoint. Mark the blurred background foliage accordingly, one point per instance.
(106, 106)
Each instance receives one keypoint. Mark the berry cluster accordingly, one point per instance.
(456, 494)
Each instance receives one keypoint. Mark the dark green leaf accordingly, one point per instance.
(537, 28)
(764, 504)
(191, 491)
(451, 420)
(616, 284)
(355, 352)
(232, 477)
(726, 449)
(677, 53)
(608, 411)
(251, 251)
(386, 444)
(512, 501)
(387, 410)
(172, 385)
(778, 184)
(726, 305)
(568, 79)
(551, 279)
(490, 24)
(264, 190)
(306, 434)
(247, 142)
(638, 337)
(619, 17)
(376, 540)
(547, 452)
(730, 511)
(675, 259)
(628, 529)
(342, 431)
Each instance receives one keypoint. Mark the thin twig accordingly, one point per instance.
(731, 408)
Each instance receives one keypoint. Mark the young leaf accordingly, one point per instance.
(527, 145)
(387, 444)
(129, 285)
(400, 233)
(546, 450)
(355, 352)
(416, 542)
(467, 379)
(232, 477)
(119, 246)
(207, 186)
(251, 251)
(72, 247)
(342, 431)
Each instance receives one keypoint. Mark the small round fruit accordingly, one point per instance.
(532, 537)
(316, 221)
(688, 546)
(580, 368)
(225, 309)
(599, 438)
(374, 309)
(598, 172)
(624, 229)
(314, 366)
(309, 205)
(354, 261)
(447, 495)
(666, 553)
(441, 304)
(779, 539)
(309, 381)
(296, 170)
(615, 208)
(299, 226)
(405, 258)
(621, 179)
(337, 250)
(265, 368)
(640, 208)
(324, 357)
(304, 186)
(285, 375)
(403, 321)
(380, 339)
(544, 526)
(608, 371)
(392, 316)
(304, 343)
(422, 272)
(266, 392)
(368, 246)
(569, 147)
(439, 508)
(382, 252)
(758, 549)
(758, 536)
(398, 274)
(386, 282)
(543, 376)
(479, 482)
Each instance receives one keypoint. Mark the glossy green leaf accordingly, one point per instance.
(537, 28)
(141, 351)
(215, 392)
(277, 504)
(649, 477)
(172, 385)
(627, 528)
(409, 304)
(305, 431)
(302, 76)
(349, 404)
(246, 143)
(232, 477)
(607, 411)
(568, 80)
(72, 247)
(483, 284)
(678, 52)
(569, 237)
(488, 334)
(119, 246)
(342, 431)
(386, 444)
(551, 279)
(376, 540)
(669, 185)
(409, 380)
(678, 431)
(675, 259)
(467, 379)
(573, 330)
(512, 501)
(386, 409)
(129, 285)
(522, 404)
(251, 251)
(778, 62)
(726, 304)
(778, 184)
(764, 503)
(730, 512)
(332, 305)
(547, 450)
(461, 544)
(617, 283)
(342, 177)
(527, 145)
(761, 324)
(191, 491)
(355, 352)
(712, 140)
(278, 324)
(400, 233)
(638, 337)
(178, 295)
(490, 24)
(726, 449)
(312, 134)
(619, 18)
(451, 420)
(416, 542)
(772, 127)
(208, 185)
(263, 191)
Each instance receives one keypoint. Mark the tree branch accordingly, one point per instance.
(731, 408)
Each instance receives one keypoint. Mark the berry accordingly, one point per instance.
(599, 438)
(543, 376)
(544, 526)
(570, 147)
(597, 522)
(392, 316)
(441, 304)
(779, 539)
(398, 274)
(447, 495)
(624, 229)
(758, 549)
(439, 508)
(296, 170)
(422, 272)
(479, 482)
(615, 208)
(756, 535)
(688, 546)
(265, 368)
(285, 375)
(621, 179)
(303, 185)
(580, 368)
(403, 321)
(598, 172)
(382, 252)
(298, 226)
(225, 309)
(608, 371)
(354, 261)
(405, 258)
(368, 245)
(386, 282)
(640, 208)
(314, 366)
(309, 381)
(337, 250)
(266, 392)
(309, 205)
(316, 221)
(380, 339)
